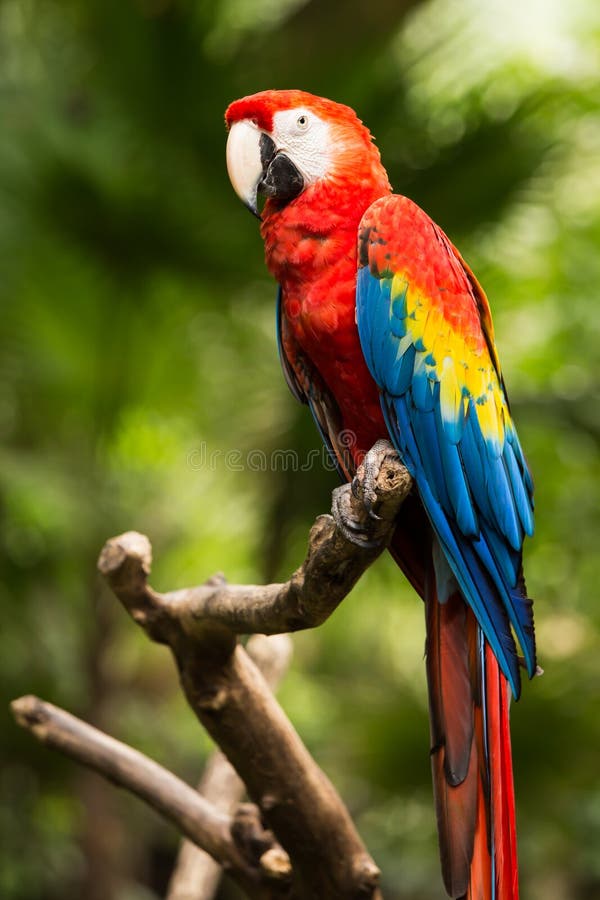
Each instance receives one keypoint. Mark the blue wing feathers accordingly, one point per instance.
(474, 463)
(425, 429)
(507, 559)
(521, 493)
(456, 479)
(476, 490)
(404, 371)
(422, 387)
(467, 569)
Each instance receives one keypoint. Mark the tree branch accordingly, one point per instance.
(196, 874)
(191, 813)
(332, 567)
(233, 701)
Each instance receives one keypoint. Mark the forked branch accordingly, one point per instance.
(197, 874)
(191, 813)
(231, 698)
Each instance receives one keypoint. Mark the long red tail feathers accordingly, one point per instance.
(501, 780)
(470, 756)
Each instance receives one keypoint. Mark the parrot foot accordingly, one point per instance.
(353, 507)
(363, 483)
(344, 516)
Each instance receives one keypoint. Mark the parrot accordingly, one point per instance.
(385, 333)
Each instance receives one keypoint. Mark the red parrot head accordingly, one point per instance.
(283, 142)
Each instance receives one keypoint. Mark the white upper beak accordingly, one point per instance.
(244, 165)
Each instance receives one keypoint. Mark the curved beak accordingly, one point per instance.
(244, 163)
(255, 165)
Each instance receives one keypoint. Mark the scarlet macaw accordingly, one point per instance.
(385, 333)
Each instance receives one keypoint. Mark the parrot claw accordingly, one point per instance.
(353, 531)
(358, 493)
(372, 515)
(352, 502)
(363, 483)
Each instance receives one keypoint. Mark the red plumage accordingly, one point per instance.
(311, 250)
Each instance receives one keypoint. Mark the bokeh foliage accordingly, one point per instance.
(137, 350)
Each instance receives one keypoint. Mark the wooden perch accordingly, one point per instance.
(231, 698)
(193, 815)
(332, 567)
(197, 874)
(312, 849)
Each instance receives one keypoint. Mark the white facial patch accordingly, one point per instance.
(306, 139)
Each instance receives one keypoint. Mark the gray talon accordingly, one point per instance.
(366, 545)
(352, 530)
(371, 465)
(362, 488)
(353, 526)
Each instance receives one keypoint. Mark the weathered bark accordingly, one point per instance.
(197, 874)
(193, 815)
(312, 849)
(220, 610)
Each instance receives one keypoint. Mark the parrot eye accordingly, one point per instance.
(302, 123)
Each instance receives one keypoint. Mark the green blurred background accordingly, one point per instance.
(137, 334)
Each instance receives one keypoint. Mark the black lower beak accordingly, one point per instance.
(281, 179)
